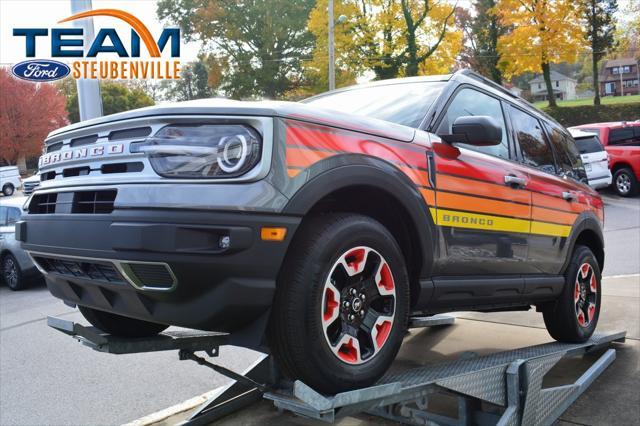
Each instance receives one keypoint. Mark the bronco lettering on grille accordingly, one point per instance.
(94, 151)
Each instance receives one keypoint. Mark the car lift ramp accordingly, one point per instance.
(503, 388)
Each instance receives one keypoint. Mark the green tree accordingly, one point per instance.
(263, 41)
(116, 97)
(599, 33)
(193, 83)
(486, 30)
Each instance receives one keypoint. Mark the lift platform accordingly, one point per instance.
(502, 388)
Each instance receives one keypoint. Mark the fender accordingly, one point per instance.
(587, 220)
(343, 171)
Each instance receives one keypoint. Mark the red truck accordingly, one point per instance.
(622, 142)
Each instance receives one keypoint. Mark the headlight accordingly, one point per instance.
(202, 151)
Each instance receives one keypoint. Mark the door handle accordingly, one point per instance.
(515, 181)
(569, 196)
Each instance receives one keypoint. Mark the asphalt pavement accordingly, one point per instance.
(48, 378)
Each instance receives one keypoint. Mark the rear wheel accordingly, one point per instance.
(574, 316)
(625, 182)
(8, 190)
(341, 305)
(118, 325)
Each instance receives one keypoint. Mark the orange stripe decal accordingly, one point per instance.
(482, 205)
(135, 23)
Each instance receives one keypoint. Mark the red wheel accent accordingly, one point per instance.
(355, 259)
(585, 269)
(386, 280)
(383, 331)
(581, 320)
(349, 352)
(331, 303)
(593, 284)
(576, 292)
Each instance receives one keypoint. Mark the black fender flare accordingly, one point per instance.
(343, 171)
(586, 221)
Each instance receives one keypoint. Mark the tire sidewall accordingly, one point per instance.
(582, 255)
(8, 190)
(18, 284)
(325, 256)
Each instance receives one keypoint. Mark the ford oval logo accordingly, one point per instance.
(40, 70)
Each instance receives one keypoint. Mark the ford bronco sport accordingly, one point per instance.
(319, 228)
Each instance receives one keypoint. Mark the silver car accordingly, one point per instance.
(15, 264)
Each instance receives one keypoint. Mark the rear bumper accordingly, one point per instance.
(187, 278)
(600, 181)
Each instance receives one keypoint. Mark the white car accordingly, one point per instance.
(10, 179)
(594, 157)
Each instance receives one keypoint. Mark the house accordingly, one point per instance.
(619, 77)
(513, 89)
(564, 88)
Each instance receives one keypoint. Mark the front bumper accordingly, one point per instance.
(218, 273)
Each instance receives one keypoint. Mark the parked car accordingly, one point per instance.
(16, 266)
(327, 223)
(594, 157)
(622, 142)
(30, 184)
(10, 180)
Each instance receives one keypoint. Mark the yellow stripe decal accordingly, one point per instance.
(457, 219)
(543, 228)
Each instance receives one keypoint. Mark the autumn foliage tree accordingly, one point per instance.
(28, 112)
(389, 37)
(543, 32)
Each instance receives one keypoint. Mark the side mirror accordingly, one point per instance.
(478, 130)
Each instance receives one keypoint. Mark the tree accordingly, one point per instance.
(263, 41)
(193, 83)
(483, 34)
(600, 34)
(116, 97)
(389, 37)
(542, 32)
(627, 35)
(28, 112)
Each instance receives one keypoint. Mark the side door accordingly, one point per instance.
(555, 202)
(482, 205)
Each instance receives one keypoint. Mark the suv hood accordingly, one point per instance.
(291, 110)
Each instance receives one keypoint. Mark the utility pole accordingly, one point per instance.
(89, 99)
(332, 65)
(621, 83)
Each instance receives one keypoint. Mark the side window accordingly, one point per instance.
(13, 215)
(3, 216)
(622, 136)
(536, 151)
(472, 102)
(569, 161)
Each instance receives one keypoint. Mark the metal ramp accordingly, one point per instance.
(503, 388)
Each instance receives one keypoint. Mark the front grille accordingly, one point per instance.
(87, 269)
(80, 202)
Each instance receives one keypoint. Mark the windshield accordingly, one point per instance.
(588, 145)
(401, 103)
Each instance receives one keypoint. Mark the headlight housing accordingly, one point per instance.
(202, 151)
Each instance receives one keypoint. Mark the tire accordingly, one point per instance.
(624, 182)
(118, 325)
(12, 274)
(330, 257)
(572, 318)
(8, 190)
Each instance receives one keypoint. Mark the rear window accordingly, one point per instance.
(588, 145)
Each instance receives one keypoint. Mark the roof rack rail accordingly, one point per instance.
(488, 82)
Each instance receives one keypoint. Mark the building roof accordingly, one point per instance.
(554, 76)
(619, 62)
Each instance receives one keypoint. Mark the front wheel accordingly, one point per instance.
(12, 274)
(8, 190)
(625, 182)
(574, 316)
(118, 325)
(341, 305)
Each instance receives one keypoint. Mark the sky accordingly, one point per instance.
(46, 14)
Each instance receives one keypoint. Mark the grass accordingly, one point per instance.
(605, 100)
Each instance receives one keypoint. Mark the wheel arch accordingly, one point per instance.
(380, 190)
(587, 232)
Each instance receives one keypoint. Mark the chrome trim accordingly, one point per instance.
(118, 264)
